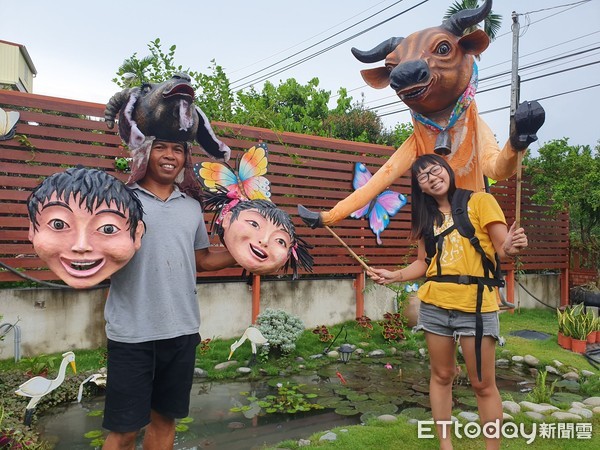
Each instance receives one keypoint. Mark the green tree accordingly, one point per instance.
(491, 24)
(568, 177)
(289, 106)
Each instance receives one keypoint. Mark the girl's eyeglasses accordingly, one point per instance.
(423, 177)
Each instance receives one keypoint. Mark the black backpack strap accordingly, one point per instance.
(491, 269)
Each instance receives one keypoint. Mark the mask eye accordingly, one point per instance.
(109, 229)
(443, 49)
(58, 225)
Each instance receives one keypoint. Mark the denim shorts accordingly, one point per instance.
(452, 323)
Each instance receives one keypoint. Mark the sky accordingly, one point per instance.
(78, 46)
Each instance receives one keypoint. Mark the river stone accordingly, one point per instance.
(376, 353)
(557, 363)
(511, 407)
(244, 370)
(303, 442)
(517, 359)
(539, 408)
(561, 415)
(507, 417)
(235, 425)
(387, 418)
(552, 370)
(225, 365)
(592, 401)
(502, 362)
(572, 376)
(329, 436)
(596, 409)
(583, 412)
(531, 361)
(535, 415)
(587, 373)
(200, 373)
(469, 416)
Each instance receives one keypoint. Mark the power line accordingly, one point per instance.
(522, 69)
(306, 40)
(317, 43)
(506, 85)
(294, 64)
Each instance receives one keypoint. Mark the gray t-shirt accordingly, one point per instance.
(154, 296)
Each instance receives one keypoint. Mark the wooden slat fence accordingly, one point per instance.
(313, 171)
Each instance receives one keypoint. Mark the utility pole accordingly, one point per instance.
(515, 84)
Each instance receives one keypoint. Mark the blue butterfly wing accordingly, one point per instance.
(387, 204)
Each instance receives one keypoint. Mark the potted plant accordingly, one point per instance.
(591, 327)
(580, 329)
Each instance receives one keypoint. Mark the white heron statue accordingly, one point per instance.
(37, 387)
(255, 337)
(99, 379)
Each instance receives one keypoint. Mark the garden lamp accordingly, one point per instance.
(346, 351)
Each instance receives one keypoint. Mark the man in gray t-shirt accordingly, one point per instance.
(152, 315)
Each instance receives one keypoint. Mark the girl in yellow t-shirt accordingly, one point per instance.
(448, 309)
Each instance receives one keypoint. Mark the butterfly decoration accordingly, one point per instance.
(247, 181)
(414, 287)
(381, 208)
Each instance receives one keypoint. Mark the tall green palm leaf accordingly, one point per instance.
(491, 24)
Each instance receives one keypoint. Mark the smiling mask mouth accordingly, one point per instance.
(85, 265)
(258, 252)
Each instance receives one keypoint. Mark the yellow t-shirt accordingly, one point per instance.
(459, 257)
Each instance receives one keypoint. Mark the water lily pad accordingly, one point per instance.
(357, 397)
(348, 411)
(570, 385)
(416, 413)
(95, 413)
(565, 397)
(181, 428)
(380, 397)
(467, 401)
(93, 434)
(186, 420)
(420, 388)
(380, 409)
(364, 418)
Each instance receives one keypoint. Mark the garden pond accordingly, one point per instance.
(233, 415)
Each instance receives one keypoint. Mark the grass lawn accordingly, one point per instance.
(374, 435)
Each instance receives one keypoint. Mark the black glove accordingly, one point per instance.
(528, 119)
(310, 218)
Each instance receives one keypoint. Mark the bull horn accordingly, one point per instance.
(378, 53)
(458, 22)
(113, 106)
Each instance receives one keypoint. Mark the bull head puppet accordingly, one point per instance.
(163, 111)
(433, 71)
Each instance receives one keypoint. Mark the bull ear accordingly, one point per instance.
(377, 78)
(474, 43)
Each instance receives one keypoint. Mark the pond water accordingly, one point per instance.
(361, 390)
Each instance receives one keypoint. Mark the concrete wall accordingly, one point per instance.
(55, 320)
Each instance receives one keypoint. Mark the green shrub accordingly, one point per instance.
(281, 330)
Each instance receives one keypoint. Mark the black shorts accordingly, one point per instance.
(155, 375)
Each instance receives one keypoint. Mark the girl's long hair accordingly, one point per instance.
(425, 212)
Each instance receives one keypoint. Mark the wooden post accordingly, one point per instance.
(255, 297)
(359, 285)
(564, 287)
(510, 288)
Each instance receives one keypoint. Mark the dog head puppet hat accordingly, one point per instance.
(163, 111)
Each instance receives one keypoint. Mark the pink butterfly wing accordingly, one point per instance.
(361, 176)
(253, 165)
